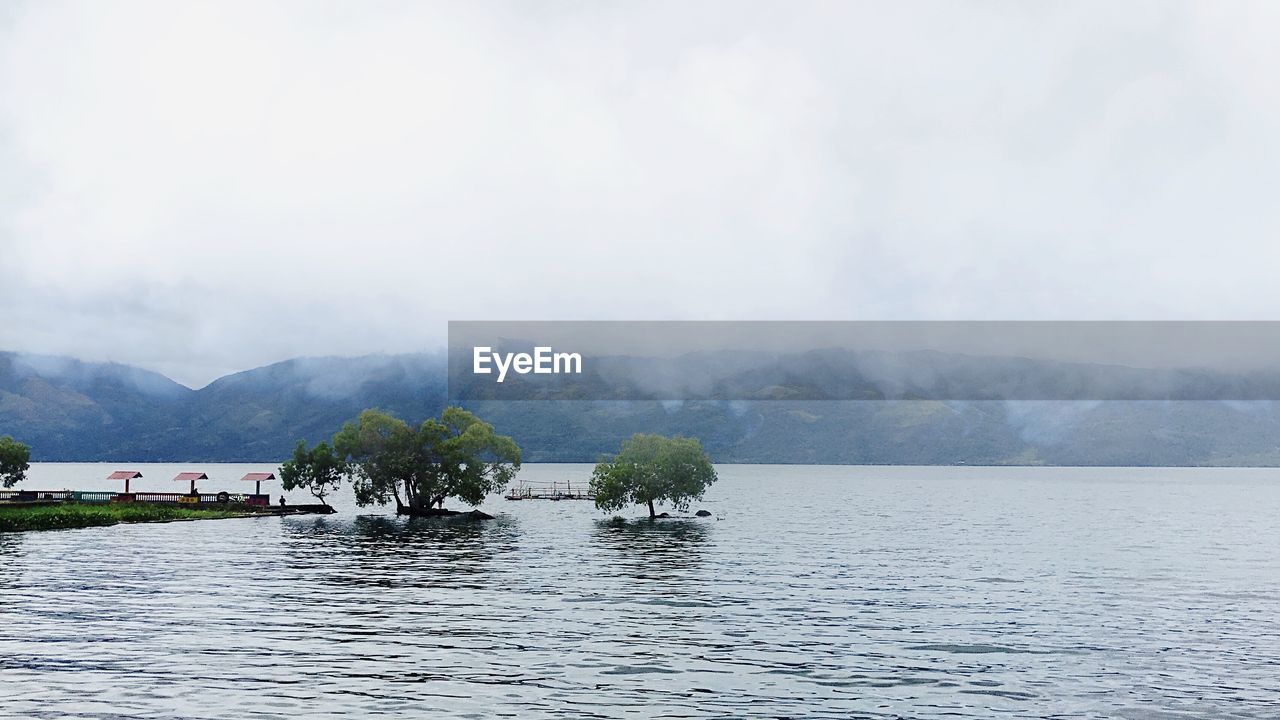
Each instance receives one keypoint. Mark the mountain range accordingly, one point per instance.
(71, 410)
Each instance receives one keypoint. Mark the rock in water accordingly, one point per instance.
(703, 513)
(440, 512)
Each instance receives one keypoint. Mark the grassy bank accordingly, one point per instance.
(75, 515)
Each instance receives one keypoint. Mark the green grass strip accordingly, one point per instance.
(16, 518)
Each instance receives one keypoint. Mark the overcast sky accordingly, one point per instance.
(199, 188)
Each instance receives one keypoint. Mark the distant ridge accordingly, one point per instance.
(71, 410)
(67, 409)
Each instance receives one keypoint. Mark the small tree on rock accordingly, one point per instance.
(653, 468)
(457, 455)
(14, 461)
(319, 470)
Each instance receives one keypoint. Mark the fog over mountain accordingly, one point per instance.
(196, 188)
(71, 410)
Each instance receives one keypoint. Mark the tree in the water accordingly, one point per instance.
(319, 470)
(14, 461)
(457, 455)
(653, 468)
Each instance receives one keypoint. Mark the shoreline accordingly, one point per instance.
(44, 516)
(762, 463)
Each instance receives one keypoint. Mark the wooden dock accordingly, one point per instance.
(258, 504)
(548, 491)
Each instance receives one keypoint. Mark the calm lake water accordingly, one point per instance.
(814, 592)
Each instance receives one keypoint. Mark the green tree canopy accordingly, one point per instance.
(14, 461)
(457, 455)
(319, 470)
(653, 468)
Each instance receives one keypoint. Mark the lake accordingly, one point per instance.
(814, 591)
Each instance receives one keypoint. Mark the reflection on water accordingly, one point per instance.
(653, 549)
(382, 550)
(824, 592)
(10, 547)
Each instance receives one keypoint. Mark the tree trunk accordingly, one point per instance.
(652, 513)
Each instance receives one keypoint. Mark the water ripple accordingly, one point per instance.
(813, 592)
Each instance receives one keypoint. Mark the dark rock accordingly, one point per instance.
(703, 513)
(441, 512)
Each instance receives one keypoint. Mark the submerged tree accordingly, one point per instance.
(319, 470)
(14, 461)
(457, 455)
(653, 468)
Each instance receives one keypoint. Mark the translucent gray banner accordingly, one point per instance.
(774, 360)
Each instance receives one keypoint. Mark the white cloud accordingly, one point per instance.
(203, 187)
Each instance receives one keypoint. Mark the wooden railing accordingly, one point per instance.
(100, 496)
(34, 494)
(90, 496)
(152, 497)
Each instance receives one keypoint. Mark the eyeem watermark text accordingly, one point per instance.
(543, 361)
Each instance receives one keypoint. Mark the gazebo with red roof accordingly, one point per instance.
(191, 477)
(258, 478)
(257, 498)
(126, 476)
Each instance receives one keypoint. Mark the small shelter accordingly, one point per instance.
(191, 477)
(126, 476)
(257, 478)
